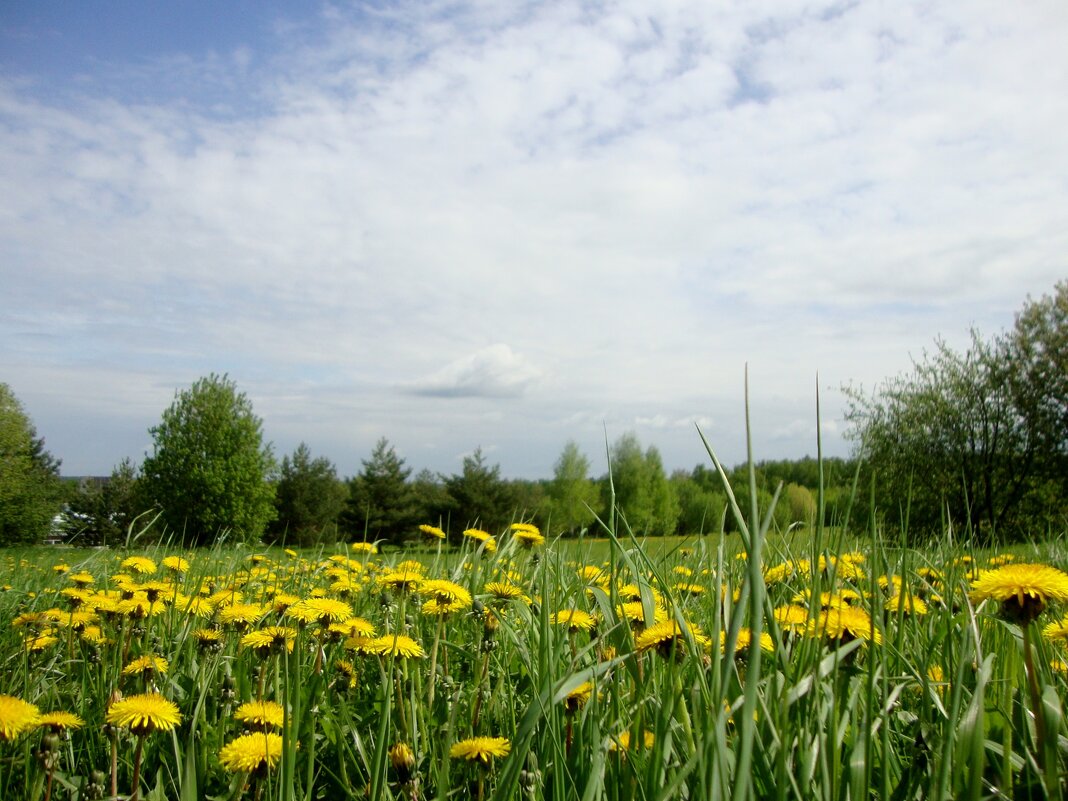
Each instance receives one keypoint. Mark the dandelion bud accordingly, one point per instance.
(402, 760)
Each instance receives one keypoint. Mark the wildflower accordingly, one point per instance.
(176, 564)
(745, 640)
(261, 715)
(34, 645)
(504, 591)
(908, 603)
(844, 624)
(1022, 589)
(146, 666)
(482, 749)
(621, 742)
(478, 535)
(527, 534)
(250, 752)
(209, 639)
(143, 714)
(684, 588)
(575, 619)
(444, 597)
(141, 565)
(16, 716)
(402, 760)
(668, 638)
(82, 579)
(395, 645)
(269, 640)
(634, 613)
(401, 581)
(320, 610)
(577, 698)
(240, 615)
(791, 616)
(1058, 630)
(432, 532)
(60, 721)
(364, 547)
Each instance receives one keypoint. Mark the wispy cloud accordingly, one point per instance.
(638, 203)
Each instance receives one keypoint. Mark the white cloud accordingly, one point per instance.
(637, 202)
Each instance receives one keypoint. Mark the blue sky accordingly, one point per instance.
(507, 225)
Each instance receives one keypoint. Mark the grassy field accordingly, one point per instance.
(750, 666)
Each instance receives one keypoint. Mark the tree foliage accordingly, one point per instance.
(309, 498)
(478, 496)
(643, 493)
(209, 470)
(977, 438)
(30, 493)
(100, 513)
(572, 493)
(382, 503)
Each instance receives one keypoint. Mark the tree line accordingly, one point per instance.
(975, 442)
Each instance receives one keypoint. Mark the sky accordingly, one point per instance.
(464, 225)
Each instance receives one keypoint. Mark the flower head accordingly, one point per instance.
(482, 749)
(527, 534)
(402, 760)
(668, 638)
(250, 752)
(139, 564)
(844, 624)
(143, 714)
(16, 716)
(146, 666)
(484, 537)
(60, 721)
(261, 714)
(323, 611)
(575, 619)
(395, 645)
(432, 533)
(1022, 589)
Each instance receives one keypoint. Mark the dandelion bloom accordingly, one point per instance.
(323, 611)
(363, 547)
(176, 564)
(1021, 589)
(577, 698)
(503, 591)
(271, 639)
(250, 752)
(1057, 630)
(146, 665)
(82, 579)
(401, 580)
(432, 532)
(395, 645)
(527, 534)
(16, 716)
(484, 537)
(845, 624)
(444, 597)
(745, 641)
(261, 714)
(791, 616)
(575, 620)
(139, 564)
(60, 721)
(240, 615)
(669, 638)
(482, 749)
(143, 714)
(402, 760)
(621, 742)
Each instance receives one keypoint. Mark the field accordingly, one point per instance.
(751, 666)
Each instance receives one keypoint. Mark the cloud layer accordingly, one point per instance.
(355, 213)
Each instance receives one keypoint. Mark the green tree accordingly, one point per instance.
(643, 493)
(100, 513)
(700, 506)
(30, 492)
(309, 498)
(973, 436)
(210, 470)
(478, 496)
(381, 503)
(573, 495)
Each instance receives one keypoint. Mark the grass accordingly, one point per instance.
(926, 693)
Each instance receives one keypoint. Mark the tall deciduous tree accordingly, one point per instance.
(309, 499)
(381, 504)
(30, 494)
(643, 493)
(210, 469)
(573, 494)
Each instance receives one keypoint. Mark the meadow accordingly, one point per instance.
(515, 667)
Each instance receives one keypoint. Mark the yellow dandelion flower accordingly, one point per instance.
(250, 752)
(323, 611)
(139, 564)
(39, 643)
(1058, 630)
(143, 714)
(401, 580)
(402, 760)
(791, 617)
(527, 534)
(240, 615)
(269, 640)
(668, 638)
(1021, 589)
(844, 624)
(577, 698)
(745, 641)
(16, 716)
(363, 547)
(504, 591)
(444, 597)
(261, 714)
(432, 532)
(82, 579)
(60, 721)
(575, 619)
(480, 749)
(176, 564)
(146, 665)
(621, 742)
(484, 537)
(395, 645)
